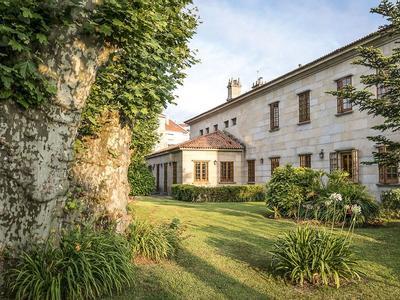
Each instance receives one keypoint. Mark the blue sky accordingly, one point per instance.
(238, 38)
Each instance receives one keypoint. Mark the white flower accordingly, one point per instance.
(308, 206)
(346, 207)
(336, 197)
(328, 202)
(356, 209)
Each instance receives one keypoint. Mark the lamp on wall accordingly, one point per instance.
(262, 160)
(215, 162)
(321, 154)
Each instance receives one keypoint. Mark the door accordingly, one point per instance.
(158, 179)
(166, 178)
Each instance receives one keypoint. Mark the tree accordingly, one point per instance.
(62, 64)
(385, 76)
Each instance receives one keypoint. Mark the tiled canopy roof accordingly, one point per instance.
(215, 140)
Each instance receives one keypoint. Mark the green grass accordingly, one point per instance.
(225, 255)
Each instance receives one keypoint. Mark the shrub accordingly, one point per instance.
(391, 204)
(314, 256)
(154, 242)
(86, 265)
(290, 187)
(141, 179)
(226, 193)
(391, 199)
(305, 193)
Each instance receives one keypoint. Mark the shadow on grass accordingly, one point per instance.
(217, 280)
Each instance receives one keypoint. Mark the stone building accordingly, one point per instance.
(170, 133)
(288, 120)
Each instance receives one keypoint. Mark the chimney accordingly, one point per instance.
(233, 88)
(258, 82)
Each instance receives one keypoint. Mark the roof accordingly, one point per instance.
(217, 140)
(349, 48)
(172, 126)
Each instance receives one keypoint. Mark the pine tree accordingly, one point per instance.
(385, 77)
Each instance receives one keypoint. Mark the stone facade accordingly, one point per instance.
(247, 117)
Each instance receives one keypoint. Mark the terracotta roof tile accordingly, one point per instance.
(215, 140)
(172, 126)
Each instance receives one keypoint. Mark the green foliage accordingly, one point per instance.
(86, 265)
(391, 204)
(314, 256)
(227, 193)
(290, 187)
(25, 28)
(154, 242)
(305, 193)
(141, 179)
(391, 199)
(385, 72)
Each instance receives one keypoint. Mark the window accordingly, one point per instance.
(216, 127)
(343, 105)
(201, 132)
(234, 120)
(274, 164)
(201, 171)
(251, 171)
(226, 172)
(226, 123)
(388, 174)
(381, 90)
(274, 115)
(207, 130)
(304, 107)
(346, 161)
(174, 172)
(305, 160)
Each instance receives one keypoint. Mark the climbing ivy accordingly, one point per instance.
(25, 28)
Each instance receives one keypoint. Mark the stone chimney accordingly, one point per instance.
(233, 88)
(258, 82)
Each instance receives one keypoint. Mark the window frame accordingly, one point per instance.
(274, 115)
(385, 171)
(340, 101)
(304, 107)
(203, 171)
(227, 172)
(207, 130)
(226, 123)
(336, 162)
(201, 132)
(216, 127)
(305, 160)
(234, 121)
(275, 163)
(251, 171)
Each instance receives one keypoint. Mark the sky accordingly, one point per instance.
(252, 38)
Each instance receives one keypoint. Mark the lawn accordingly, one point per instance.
(225, 256)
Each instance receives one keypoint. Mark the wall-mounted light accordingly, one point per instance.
(321, 154)
(262, 160)
(215, 162)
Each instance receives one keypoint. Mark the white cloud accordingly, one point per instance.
(237, 38)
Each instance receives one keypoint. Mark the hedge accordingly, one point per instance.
(226, 193)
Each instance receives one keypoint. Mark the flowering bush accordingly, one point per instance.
(302, 194)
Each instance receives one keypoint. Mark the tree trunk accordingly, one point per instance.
(101, 169)
(36, 145)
